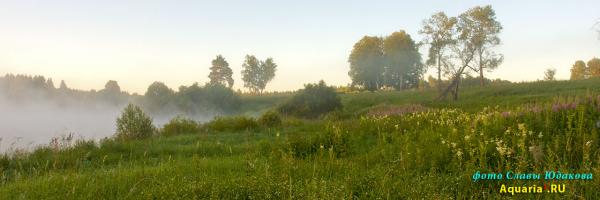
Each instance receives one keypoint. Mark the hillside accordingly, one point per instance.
(430, 150)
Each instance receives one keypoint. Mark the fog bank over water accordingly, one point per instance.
(26, 125)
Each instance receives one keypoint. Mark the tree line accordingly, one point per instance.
(214, 97)
(457, 46)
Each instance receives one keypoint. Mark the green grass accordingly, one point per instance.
(429, 155)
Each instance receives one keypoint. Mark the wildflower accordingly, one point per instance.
(521, 126)
(453, 145)
(588, 143)
(540, 135)
(467, 137)
(505, 114)
(443, 142)
(459, 154)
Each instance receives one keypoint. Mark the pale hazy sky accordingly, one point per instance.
(87, 43)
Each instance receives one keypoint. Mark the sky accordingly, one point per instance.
(87, 43)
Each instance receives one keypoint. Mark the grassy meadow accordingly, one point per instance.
(381, 145)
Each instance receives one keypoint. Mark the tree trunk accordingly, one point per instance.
(481, 80)
(439, 81)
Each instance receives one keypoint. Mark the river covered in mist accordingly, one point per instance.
(24, 126)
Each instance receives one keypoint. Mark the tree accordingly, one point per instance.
(439, 32)
(256, 74)
(220, 73)
(549, 74)
(158, 96)
(403, 68)
(112, 87)
(366, 63)
(483, 31)
(134, 124)
(578, 71)
(594, 67)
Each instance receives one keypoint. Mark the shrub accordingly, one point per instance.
(180, 125)
(270, 119)
(235, 123)
(134, 124)
(312, 101)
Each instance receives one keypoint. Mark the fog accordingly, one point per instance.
(26, 125)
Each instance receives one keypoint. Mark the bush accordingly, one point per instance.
(312, 101)
(236, 123)
(180, 125)
(270, 119)
(134, 124)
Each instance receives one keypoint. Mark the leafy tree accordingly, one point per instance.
(403, 67)
(549, 74)
(594, 67)
(312, 101)
(439, 32)
(366, 63)
(578, 71)
(134, 124)
(220, 73)
(483, 30)
(158, 96)
(256, 74)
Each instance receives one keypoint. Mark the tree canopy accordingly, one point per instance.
(256, 74)
(578, 71)
(220, 73)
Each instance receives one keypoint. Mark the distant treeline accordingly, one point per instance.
(208, 99)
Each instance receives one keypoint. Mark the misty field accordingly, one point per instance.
(382, 145)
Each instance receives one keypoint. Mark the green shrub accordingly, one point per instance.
(180, 125)
(134, 124)
(235, 123)
(270, 119)
(312, 101)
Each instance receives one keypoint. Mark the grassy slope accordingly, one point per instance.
(252, 165)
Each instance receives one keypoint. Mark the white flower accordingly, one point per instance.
(467, 137)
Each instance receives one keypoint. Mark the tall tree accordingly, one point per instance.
(439, 32)
(483, 31)
(578, 71)
(220, 73)
(366, 63)
(549, 74)
(403, 67)
(594, 67)
(256, 74)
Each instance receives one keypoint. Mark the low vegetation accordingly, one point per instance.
(433, 147)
